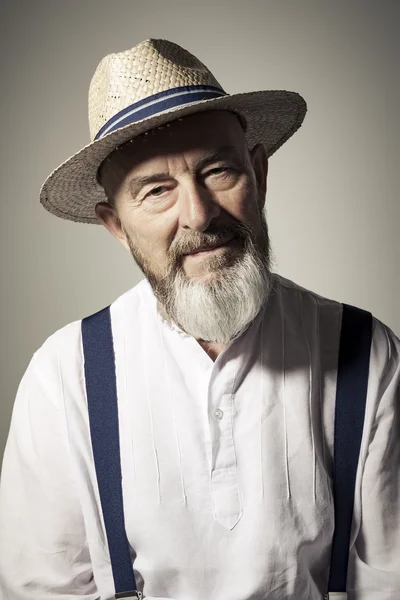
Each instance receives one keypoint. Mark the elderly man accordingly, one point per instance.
(226, 375)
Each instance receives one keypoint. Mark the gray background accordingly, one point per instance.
(332, 203)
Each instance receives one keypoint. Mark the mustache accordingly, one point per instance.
(213, 236)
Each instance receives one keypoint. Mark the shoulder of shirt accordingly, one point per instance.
(292, 288)
(66, 341)
(385, 338)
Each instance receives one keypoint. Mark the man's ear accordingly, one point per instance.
(259, 162)
(107, 215)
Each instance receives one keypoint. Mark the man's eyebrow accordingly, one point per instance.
(136, 183)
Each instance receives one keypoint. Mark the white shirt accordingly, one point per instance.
(226, 465)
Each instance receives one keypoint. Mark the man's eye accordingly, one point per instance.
(157, 190)
(219, 170)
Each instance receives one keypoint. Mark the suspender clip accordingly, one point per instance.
(135, 594)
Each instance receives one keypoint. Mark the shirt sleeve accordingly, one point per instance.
(374, 562)
(43, 550)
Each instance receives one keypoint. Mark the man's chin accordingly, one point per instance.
(209, 269)
(205, 276)
(210, 263)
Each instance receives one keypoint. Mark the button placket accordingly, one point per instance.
(224, 477)
(218, 414)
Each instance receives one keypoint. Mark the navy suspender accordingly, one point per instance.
(100, 377)
(351, 393)
(101, 391)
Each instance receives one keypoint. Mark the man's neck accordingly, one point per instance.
(213, 349)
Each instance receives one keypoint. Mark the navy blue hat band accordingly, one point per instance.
(158, 103)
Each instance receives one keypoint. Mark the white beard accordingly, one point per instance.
(223, 306)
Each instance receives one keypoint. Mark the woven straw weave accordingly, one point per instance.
(152, 66)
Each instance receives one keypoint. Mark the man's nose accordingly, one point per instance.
(197, 206)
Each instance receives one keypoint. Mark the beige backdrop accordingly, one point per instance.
(332, 202)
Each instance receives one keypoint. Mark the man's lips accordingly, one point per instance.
(209, 248)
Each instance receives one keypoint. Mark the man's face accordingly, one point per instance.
(188, 185)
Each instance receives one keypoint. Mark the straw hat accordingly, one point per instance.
(140, 89)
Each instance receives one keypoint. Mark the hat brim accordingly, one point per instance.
(72, 190)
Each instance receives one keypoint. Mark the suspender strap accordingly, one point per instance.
(100, 378)
(352, 384)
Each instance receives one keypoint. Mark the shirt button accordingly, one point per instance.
(218, 414)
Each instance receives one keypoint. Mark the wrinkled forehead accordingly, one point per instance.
(200, 132)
